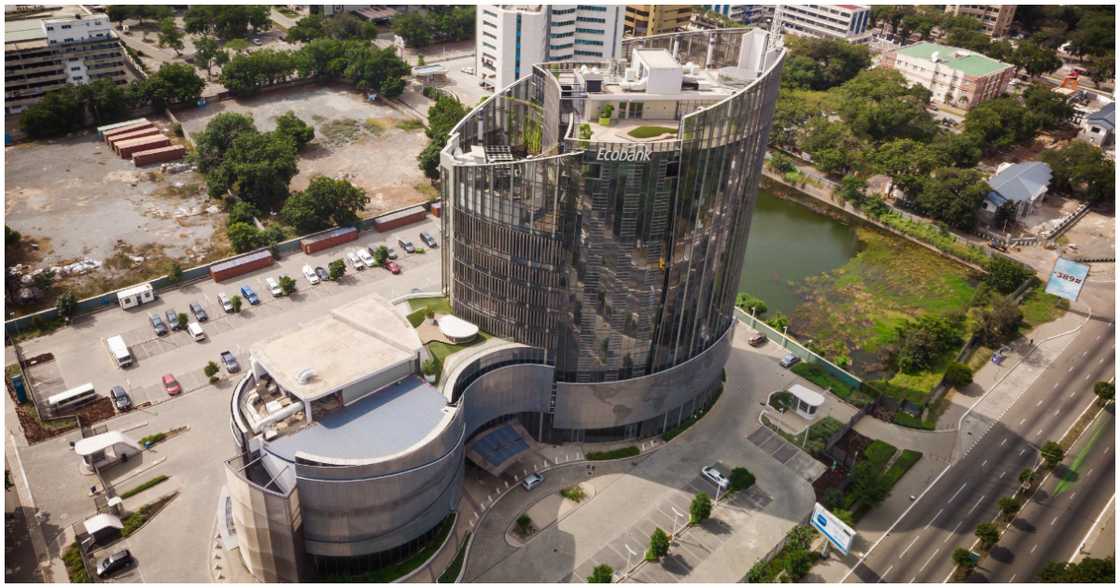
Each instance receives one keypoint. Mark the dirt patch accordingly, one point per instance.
(36, 429)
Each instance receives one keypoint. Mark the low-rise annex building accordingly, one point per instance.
(956, 77)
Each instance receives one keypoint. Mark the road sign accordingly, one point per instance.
(838, 534)
(1067, 278)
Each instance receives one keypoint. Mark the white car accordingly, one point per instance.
(532, 481)
(366, 258)
(309, 273)
(711, 473)
(274, 287)
(227, 304)
(356, 260)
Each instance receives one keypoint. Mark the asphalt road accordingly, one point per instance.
(1052, 525)
(921, 545)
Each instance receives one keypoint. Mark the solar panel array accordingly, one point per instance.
(499, 445)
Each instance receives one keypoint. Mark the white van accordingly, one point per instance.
(195, 331)
(119, 350)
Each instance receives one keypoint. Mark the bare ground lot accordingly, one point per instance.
(354, 139)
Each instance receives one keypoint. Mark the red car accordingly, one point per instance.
(393, 267)
(171, 385)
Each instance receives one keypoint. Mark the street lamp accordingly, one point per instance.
(629, 556)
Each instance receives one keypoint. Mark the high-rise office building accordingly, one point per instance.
(643, 20)
(511, 39)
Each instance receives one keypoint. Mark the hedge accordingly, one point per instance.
(75, 567)
(817, 375)
(902, 465)
(879, 452)
(416, 317)
(142, 487)
(619, 453)
(452, 572)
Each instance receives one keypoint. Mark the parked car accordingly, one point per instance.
(757, 340)
(428, 240)
(257, 41)
(199, 312)
(355, 260)
(532, 481)
(310, 275)
(789, 360)
(717, 478)
(120, 398)
(393, 267)
(321, 272)
(366, 258)
(171, 385)
(195, 331)
(274, 287)
(392, 252)
(173, 320)
(407, 246)
(230, 362)
(157, 325)
(227, 304)
(250, 295)
(468, 70)
(114, 563)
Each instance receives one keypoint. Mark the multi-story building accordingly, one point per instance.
(825, 21)
(743, 13)
(956, 77)
(643, 20)
(511, 39)
(995, 17)
(41, 55)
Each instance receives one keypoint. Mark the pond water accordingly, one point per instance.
(788, 243)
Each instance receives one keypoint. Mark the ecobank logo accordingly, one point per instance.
(636, 155)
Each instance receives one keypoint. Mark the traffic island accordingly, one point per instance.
(548, 511)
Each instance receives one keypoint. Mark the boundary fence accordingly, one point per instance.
(804, 353)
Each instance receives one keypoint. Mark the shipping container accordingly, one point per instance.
(400, 218)
(159, 155)
(328, 239)
(127, 148)
(105, 129)
(135, 296)
(437, 209)
(109, 135)
(240, 265)
(121, 138)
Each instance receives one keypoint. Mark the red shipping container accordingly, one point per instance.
(160, 155)
(117, 139)
(129, 129)
(240, 265)
(127, 148)
(400, 218)
(437, 209)
(328, 239)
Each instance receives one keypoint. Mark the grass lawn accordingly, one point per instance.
(819, 432)
(647, 132)
(817, 375)
(440, 350)
(1039, 307)
(439, 304)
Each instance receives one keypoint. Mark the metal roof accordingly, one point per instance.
(1105, 117)
(968, 62)
(1022, 182)
(91, 445)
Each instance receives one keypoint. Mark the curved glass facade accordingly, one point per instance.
(619, 259)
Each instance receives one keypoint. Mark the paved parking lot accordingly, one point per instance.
(193, 459)
(793, 458)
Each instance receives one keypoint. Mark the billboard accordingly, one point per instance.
(838, 534)
(1067, 279)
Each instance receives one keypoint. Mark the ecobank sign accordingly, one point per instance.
(634, 155)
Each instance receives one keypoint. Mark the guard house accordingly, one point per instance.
(135, 296)
(106, 449)
(808, 401)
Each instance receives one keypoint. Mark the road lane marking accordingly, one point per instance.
(1058, 412)
(977, 504)
(1039, 432)
(1002, 442)
(1034, 548)
(1096, 524)
(957, 492)
(1022, 421)
(984, 463)
(1053, 521)
(908, 548)
(1084, 353)
(1039, 403)
(922, 569)
(1070, 369)
(934, 518)
(1002, 474)
(1012, 578)
(952, 533)
(891, 567)
(1022, 451)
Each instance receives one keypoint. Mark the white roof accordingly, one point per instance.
(134, 290)
(91, 445)
(811, 397)
(657, 58)
(102, 521)
(456, 328)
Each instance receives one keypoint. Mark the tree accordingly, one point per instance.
(779, 322)
(820, 64)
(206, 50)
(658, 545)
(211, 370)
(524, 524)
(287, 284)
(107, 101)
(291, 126)
(326, 202)
(751, 303)
(963, 558)
(1026, 476)
(1035, 59)
(257, 168)
(1005, 275)
(999, 124)
(242, 212)
(381, 254)
(442, 117)
(741, 479)
(59, 112)
(213, 142)
(119, 13)
(1051, 453)
(1105, 392)
(44, 280)
(174, 272)
(956, 150)
(700, 509)
(922, 341)
(174, 83)
(879, 105)
(798, 563)
(170, 35)
(235, 302)
(831, 144)
(183, 318)
(868, 484)
(988, 535)
(999, 323)
(413, 27)
(1050, 109)
(906, 161)
(12, 238)
(601, 574)
(958, 375)
(227, 21)
(246, 73)
(1090, 570)
(853, 189)
(306, 29)
(952, 195)
(66, 305)
(1009, 505)
(336, 269)
(1081, 170)
(244, 237)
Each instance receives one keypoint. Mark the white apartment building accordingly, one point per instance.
(510, 39)
(837, 21)
(70, 31)
(743, 13)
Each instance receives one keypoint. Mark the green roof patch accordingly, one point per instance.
(968, 62)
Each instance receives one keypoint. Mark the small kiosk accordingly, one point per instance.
(808, 401)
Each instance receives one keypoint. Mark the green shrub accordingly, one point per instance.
(619, 453)
(75, 568)
(747, 301)
(647, 132)
(574, 493)
(152, 439)
(902, 465)
(416, 317)
(907, 420)
(819, 376)
(741, 479)
(142, 487)
(958, 375)
(879, 452)
(452, 572)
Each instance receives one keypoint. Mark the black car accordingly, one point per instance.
(321, 272)
(407, 246)
(428, 240)
(198, 312)
(157, 325)
(173, 320)
(230, 362)
(120, 398)
(114, 563)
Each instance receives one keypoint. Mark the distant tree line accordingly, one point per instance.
(438, 24)
(354, 61)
